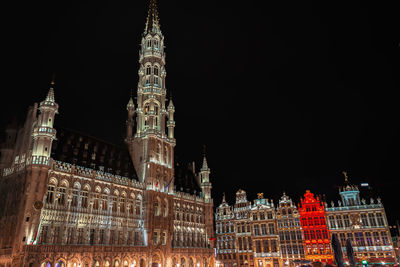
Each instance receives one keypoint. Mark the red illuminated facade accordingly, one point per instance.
(315, 231)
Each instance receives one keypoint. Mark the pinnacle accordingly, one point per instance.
(50, 94)
(152, 21)
(205, 166)
(130, 104)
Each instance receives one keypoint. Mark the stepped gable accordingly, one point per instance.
(83, 150)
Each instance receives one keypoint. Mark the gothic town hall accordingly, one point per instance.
(69, 199)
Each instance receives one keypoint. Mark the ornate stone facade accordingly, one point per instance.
(265, 235)
(247, 235)
(290, 232)
(317, 244)
(72, 200)
(364, 224)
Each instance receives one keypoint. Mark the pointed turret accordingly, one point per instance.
(171, 122)
(205, 165)
(50, 94)
(44, 133)
(130, 107)
(205, 179)
(152, 21)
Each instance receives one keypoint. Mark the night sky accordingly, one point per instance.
(284, 95)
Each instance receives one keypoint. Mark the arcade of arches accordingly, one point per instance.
(155, 261)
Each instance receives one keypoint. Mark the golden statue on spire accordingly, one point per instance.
(346, 178)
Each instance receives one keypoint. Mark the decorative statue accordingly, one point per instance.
(372, 200)
(363, 201)
(332, 204)
(379, 200)
(340, 203)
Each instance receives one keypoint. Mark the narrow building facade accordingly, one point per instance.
(364, 224)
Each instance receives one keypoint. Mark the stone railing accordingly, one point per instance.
(359, 207)
(99, 175)
(266, 254)
(188, 196)
(79, 248)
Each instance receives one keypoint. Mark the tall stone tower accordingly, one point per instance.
(205, 181)
(152, 145)
(43, 135)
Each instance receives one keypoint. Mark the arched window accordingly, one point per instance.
(138, 205)
(156, 80)
(50, 194)
(148, 43)
(61, 196)
(104, 202)
(165, 154)
(84, 199)
(157, 207)
(165, 208)
(156, 70)
(158, 152)
(146, 108)
(148, 70)
(122, 203)
(95, 201)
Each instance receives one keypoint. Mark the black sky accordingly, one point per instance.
(285, 95)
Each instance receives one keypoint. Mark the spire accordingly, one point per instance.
(205, 165)
(223, 198)
(346, 178)
(50, 94)
(130, 103)
(171, 104)
(152, 21)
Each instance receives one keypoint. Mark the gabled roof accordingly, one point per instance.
(83, 150)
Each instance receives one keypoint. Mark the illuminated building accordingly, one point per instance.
(315, 231)
(241, 209)
(264, 233)
(68, 199)
(290, 231)
(247, 234)
(233, 232)
(225, 235)
(364, 224)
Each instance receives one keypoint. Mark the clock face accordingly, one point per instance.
(38, 205)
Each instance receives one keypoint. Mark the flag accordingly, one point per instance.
(166, 187)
